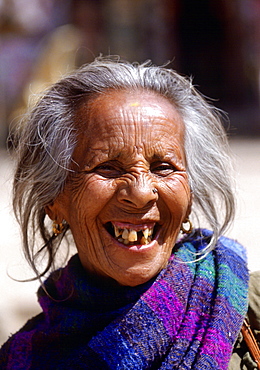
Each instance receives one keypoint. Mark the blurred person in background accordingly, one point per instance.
(22, 28)
(63, 49)
(39, 44)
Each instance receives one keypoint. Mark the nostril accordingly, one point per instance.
(138, 193)
(127, 201)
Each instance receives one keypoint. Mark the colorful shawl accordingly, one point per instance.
(188, 317)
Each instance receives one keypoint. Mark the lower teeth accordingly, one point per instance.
(143, 241)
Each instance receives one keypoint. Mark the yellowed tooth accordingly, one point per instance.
(125, 234)
(150, 232)
(126, 241)
(146, 233)
(117, 232)
(144, 241)
(132, 237)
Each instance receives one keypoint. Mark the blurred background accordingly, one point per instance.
(217, 42)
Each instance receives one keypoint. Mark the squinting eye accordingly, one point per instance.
(107, 170)
(162, 169)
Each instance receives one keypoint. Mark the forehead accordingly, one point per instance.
(120, 120)
(122, 107)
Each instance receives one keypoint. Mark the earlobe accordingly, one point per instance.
(54, 212)
(189, 208)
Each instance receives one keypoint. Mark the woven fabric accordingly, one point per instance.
(188, 317)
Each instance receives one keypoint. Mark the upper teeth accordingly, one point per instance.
(130, 235)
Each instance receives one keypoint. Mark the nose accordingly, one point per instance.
(138, 192)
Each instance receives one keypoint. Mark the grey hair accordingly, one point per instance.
(46, 142)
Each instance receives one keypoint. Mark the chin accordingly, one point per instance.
(134, 278)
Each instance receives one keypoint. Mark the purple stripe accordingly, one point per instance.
(166, 304)
(216, 346)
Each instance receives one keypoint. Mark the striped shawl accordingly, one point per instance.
(188, 317)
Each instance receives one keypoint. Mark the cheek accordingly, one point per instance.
(177, 194)
(89, 196)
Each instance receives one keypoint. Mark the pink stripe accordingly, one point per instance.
(167, 306)
(216, 346)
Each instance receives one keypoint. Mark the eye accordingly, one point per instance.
(108, 170)
(162, 169)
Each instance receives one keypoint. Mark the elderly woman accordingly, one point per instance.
(120, 155)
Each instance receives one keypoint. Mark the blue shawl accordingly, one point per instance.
(188, 317)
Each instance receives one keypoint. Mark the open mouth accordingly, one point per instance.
(132, 234)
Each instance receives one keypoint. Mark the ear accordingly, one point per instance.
(54, 211)
(188, 212)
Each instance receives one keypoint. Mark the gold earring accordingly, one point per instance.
(189, 229)
(58, 228)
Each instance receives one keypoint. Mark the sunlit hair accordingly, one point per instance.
(46, 141)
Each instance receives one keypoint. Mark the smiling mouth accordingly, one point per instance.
(132, 234)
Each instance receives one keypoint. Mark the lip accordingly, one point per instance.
(136, 227)
(136, 248)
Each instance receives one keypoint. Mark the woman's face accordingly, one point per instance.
(129, 194)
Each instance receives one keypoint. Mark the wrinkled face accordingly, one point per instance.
(129, 194)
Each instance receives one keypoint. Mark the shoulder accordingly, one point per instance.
(254, 300)
(241, 357)
(200, 239)
(233, 247)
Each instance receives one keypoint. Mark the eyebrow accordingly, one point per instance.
(102, 154)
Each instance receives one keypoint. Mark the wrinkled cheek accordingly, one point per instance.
(81, 219)
(87, 240)
(178, 192)
(186, 189)
(83, 205)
